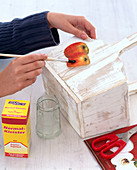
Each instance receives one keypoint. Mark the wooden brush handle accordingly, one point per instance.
(18, 56)
(11, 55)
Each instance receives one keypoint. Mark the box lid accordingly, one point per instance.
(17, 109)
(104, 72)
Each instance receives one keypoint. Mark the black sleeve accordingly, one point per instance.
(22, 36)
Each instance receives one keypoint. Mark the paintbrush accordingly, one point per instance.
(48, 59)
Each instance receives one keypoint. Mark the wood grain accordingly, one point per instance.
(101, 77)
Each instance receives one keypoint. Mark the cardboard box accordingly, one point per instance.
(16, 128)
(93, 98)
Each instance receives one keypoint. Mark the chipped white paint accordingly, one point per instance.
(94, 98)
(132, 87)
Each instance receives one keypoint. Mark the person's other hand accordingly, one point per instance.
(77, 25)
(20, 73)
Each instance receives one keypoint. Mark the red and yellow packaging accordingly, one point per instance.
(16, 128)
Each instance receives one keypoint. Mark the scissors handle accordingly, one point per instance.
(111, 137)
(120, 144)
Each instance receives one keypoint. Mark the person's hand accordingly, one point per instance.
(20, 73)
(76, 25)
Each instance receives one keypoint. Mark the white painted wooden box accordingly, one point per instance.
(93, 98)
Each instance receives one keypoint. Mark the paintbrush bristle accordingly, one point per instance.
(72, 61)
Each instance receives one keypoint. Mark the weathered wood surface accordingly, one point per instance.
(98, 54)
(94, 98)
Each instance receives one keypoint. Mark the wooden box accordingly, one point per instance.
(93, 98)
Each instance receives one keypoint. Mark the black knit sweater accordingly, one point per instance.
(22, 36)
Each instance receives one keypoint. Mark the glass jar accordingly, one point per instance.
(48, 117)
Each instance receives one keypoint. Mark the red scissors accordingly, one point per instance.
(119, 140)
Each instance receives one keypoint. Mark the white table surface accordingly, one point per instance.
(113, 20)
